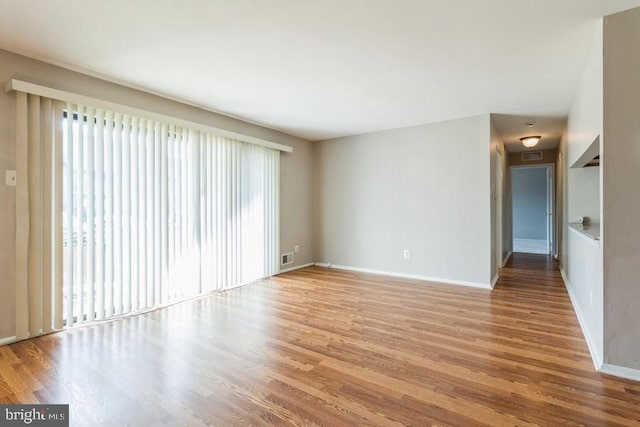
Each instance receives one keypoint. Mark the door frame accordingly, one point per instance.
(552, 240)
(499, 196)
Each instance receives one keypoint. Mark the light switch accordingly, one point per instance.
(10, 178)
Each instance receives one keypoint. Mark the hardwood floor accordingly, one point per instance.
(328, 347)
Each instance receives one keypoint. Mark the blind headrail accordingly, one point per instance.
(61, 95)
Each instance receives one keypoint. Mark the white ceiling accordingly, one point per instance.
(514, 127)
(326, 68)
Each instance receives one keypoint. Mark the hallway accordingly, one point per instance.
(532, 262)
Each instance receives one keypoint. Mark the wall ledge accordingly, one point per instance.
(590, 233)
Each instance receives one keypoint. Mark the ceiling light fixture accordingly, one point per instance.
(530, 141)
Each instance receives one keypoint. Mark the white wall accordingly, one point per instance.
(580, 256)
(584, 274)
(495, 145)
(296, 203)
(621, 189)
(584, 199)
(507, 208)
(424, 188)
(585, 118)
(295, 188)
(562, 216)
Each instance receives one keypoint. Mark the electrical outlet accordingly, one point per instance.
(10, 178)
(406, 254)
(296, 249)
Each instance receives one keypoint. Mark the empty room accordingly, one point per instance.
(230, 213)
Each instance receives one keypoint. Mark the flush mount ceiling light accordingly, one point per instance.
(530, 141)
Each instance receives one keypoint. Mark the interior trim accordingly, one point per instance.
(35, 89)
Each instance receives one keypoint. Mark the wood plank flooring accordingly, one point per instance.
(328, 347)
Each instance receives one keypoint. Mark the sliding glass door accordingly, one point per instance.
(154, 213)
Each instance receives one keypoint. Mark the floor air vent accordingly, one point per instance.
(287, 258)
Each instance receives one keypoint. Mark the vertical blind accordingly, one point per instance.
(149, 213)
(39, 297)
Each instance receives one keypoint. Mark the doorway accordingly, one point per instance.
(533, 205)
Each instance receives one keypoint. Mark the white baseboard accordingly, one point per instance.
(595, 357)
(605, 368)
(495, 280)
(506, 258)
(620, 371)
(8, 340)
(297, 267)
(406, 276)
